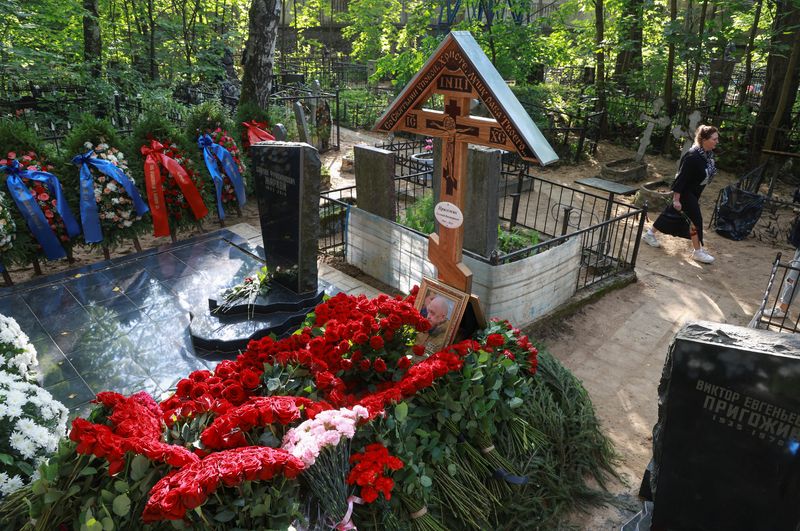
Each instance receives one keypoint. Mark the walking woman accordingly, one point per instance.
(683, 218)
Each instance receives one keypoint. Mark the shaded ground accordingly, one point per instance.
(616, 345)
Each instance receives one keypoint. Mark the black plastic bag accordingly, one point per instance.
(737, 212)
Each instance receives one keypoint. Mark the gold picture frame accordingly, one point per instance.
(447, 306)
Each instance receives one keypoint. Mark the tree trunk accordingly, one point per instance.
(699, 57)
(259, 52)
(668, 75)
(784, 29)
(748, 54)
(784, 106)
(151, 52)
(629, 59)
(600, 58)
(92, 41)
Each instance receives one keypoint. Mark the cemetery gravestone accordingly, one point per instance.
(726, 445)
(287, 177)
(279, 132)
(287, 182)
(662, 122)
(688, 134)
(482, 208)
(302, 124)
(374, 169)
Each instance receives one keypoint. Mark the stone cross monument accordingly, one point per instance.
(660, 121)
(460, 72)
(688, 134)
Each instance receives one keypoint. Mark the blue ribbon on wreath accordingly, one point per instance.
(90, 218)
(211, 154)
(32, 212)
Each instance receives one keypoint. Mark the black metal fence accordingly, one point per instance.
(609, 231)
(776, 311)
(334, 207)
(331, 69)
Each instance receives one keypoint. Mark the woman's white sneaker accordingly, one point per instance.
(700, 255)
(651, 240)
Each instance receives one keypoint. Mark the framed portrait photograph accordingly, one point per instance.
(444, 307)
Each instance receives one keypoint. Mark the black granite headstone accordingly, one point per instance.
(725, 447)
(287, 179)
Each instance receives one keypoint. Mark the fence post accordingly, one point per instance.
(584, 125)
(565, 223)
(638, 241)
(515, 198)
(338, 132)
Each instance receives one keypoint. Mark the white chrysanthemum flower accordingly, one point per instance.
(7, 379)
(88, 145)
(9, 484)
(22, 444)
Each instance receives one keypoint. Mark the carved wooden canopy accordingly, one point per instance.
(460, 71)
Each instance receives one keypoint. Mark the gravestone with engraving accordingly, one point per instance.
(726, 448)
(287, 181)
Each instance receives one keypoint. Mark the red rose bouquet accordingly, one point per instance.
(44, 194)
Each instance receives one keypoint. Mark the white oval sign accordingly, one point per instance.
(448, 215)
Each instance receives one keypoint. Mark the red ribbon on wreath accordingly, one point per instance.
(254, 132)
(154, 159)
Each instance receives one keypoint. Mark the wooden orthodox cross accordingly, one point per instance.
(459, 71)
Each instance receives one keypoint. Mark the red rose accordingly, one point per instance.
(250, 379)
(379, 365)
(376, 342)
(364, 364)
(235, 394)
(403, 363)
(200, 376)
(184, 387)
(418, 350)
(198, 390)
(324, 380)
(495, 340)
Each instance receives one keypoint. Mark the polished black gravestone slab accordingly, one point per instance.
(279, 312)
(123, 324)
(287, 183)
(725, 447)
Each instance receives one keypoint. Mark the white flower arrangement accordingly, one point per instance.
(31, 425)
(8, 229)
(115, 207)
(31, 421)
(17, 355)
